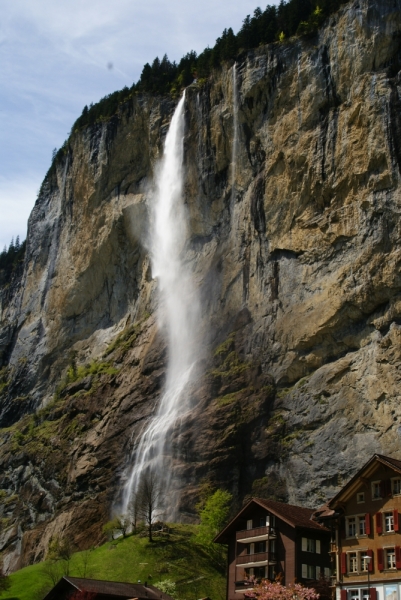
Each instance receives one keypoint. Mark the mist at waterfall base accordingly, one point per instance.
(178, 318)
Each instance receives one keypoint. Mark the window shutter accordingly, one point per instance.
(397, 550)
(343, 563)
(327, 572)
(305, 571)
(367, 523)
(317, 546)
(370, 566)
(343, 594)
(249, 524)
(388, 487)
(382, 488)
(304, 544)
(379, 523)
(396, 524)
(373, 594)
(380, 559)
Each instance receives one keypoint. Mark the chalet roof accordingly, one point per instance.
(365, 472)
(113, 588)
(295, 516)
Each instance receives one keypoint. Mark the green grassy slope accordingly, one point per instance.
(177, 557)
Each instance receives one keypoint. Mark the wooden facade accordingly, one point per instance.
(367, 548)
(268, 538)
(104, 590)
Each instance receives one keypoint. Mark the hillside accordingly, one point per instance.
(292, 191)
(177, 558)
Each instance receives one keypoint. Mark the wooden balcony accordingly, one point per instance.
(256, 559)
(245, 585)
(257, 534)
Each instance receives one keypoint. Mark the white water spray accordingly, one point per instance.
(235, 131)
(178, 312)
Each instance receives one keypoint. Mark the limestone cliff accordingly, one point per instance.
(296, 253)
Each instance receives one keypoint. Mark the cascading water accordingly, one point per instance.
(235, 130)
(178, 311)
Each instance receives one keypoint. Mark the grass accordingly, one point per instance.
(177, 557)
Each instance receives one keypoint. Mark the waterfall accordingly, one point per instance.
(178, 311)
(235, 130)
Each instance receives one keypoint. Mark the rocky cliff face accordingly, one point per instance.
(296, 252)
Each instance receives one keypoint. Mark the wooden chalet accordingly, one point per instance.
(267, 538)
(104, 590)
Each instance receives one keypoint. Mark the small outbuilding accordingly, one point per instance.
(104, 590)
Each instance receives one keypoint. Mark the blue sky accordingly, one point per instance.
(54, 57)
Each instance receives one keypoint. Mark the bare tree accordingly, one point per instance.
(123, 522)
(134, 511)
(150, 500)
(59, 554)
(84, 559)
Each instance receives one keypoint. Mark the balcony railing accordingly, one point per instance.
(256, 532)
(246, 584)
(244, 559)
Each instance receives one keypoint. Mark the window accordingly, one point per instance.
(259, 572)
(308, 571)
(272, 546)
(359, 594)
(389, 521)
(356, 562)
(351, 526)
(357, 525)
(271, 573)
(396, 486)
(360, 497)
(390, 558)
(376, 491)
(260, 547)
(364, 562)
(309, 545)
(352, 562)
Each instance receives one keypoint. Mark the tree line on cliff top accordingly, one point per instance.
(274, 24)
(11, 259)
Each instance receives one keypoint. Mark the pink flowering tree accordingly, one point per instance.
(267, 590)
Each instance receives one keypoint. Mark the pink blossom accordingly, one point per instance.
(266, 590)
